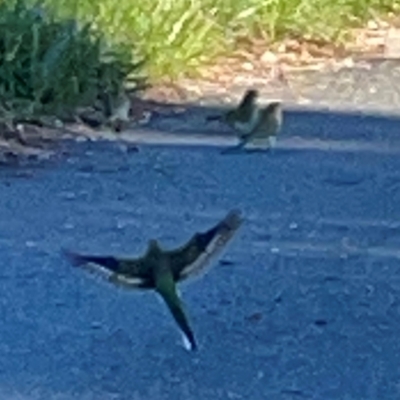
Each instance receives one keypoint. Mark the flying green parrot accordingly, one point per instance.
(244, 117)
(161, 269)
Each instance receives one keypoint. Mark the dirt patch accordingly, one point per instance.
(258, 62)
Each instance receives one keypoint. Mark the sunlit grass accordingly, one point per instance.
(179, 35)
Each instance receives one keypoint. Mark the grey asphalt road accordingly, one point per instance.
(304, 305)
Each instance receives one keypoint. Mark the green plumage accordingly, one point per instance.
(244, 117)
(161, 270)
(265, 129)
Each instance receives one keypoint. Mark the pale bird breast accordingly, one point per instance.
(243, 127)
(248, 126)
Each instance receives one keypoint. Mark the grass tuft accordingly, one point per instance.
(52, 66)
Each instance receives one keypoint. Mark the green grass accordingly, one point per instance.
(179, 35)
(64, 54)
(52, 66)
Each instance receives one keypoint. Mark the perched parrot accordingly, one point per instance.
(266, 129)
(242, 118)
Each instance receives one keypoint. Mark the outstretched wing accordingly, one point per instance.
(242, 117)
(193, 257)
(123, 272)
(247, 106)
